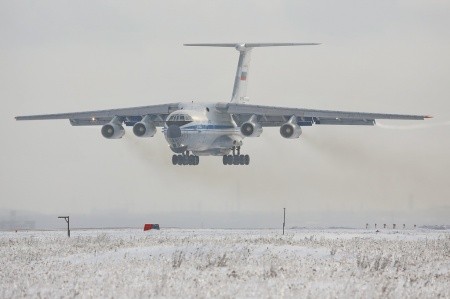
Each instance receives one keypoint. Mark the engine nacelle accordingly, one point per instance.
(251, 128)
(113, 131)
(290, 129)
(144, 128)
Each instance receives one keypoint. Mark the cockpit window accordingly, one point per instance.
(179, 119)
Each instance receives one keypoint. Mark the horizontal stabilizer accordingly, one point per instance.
(252, 45)
(240, 81)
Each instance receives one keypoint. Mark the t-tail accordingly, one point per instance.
(239, 94)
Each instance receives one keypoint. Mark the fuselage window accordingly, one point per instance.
(179, 120)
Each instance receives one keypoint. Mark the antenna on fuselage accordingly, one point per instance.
(239, 94)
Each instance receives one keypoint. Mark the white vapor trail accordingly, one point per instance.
(413, 127)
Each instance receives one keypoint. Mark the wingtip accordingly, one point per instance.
(428, 116)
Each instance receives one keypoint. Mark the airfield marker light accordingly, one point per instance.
(284, 218)
(393, 226)
(384, 225)
(68, 224)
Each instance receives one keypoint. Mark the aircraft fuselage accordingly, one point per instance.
(201, 129)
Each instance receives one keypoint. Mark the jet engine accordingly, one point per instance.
(251, 128)
(290, 129)
(113, 130)
(144, 128)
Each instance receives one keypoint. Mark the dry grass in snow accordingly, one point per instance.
(229, 263)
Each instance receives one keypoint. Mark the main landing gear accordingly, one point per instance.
(185, 159)
(236, 158)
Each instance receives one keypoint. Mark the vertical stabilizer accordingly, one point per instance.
(239, 94)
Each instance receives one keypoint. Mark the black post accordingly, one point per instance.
(68, 224)
(284, 218)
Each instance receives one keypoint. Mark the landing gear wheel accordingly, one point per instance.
(197, 160)
(180, 160)
(191, 160)
(174, 160)
(236, 159)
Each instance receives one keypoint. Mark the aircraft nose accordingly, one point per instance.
(173, 131)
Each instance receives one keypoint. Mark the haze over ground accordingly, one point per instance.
(380, 56)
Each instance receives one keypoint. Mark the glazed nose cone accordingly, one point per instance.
(173, 131)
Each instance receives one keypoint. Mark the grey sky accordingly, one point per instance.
(376, 56)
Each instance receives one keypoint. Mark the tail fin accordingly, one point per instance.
(240, 82)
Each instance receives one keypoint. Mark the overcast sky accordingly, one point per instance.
(376, 56)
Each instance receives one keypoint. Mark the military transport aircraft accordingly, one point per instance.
(217, 128)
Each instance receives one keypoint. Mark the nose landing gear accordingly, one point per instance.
(185, 159)
(236, 158)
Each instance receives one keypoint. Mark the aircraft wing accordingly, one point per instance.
(130, 116)
(271, 116)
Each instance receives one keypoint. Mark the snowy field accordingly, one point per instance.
(226, 263)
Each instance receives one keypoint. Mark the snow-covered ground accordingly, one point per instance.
(226, 263)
